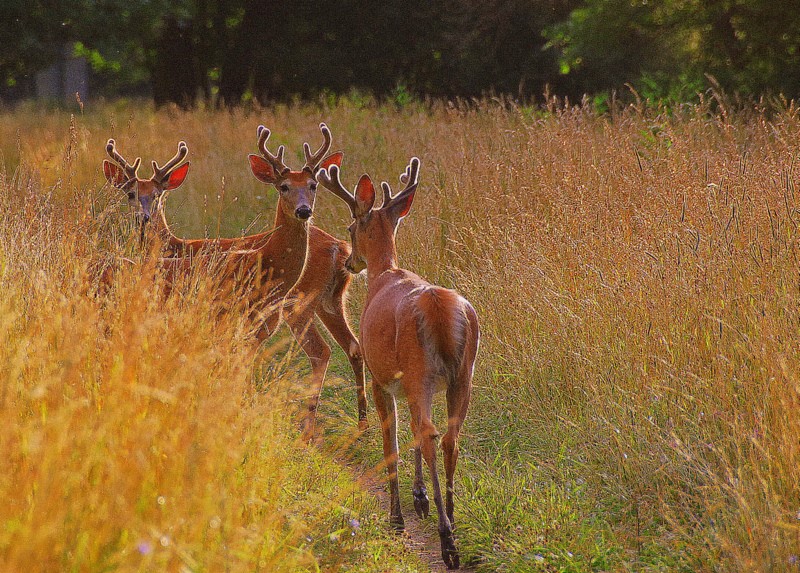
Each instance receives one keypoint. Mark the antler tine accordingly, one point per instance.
(313, 161)
(387, 192)
(410, 178)
(160, 173)
(276, 160)
(130, 170)
(329, 178)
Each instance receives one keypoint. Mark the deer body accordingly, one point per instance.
(324, 287)
(418, 339)
(270, 268)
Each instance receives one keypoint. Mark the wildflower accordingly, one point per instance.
(144, 547)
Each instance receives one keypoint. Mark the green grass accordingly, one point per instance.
(636, 396)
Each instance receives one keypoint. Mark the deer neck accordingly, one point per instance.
(290, 240)
(381, 255)
(291, 227)
(161, 227)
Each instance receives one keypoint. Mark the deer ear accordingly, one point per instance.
(177, 177)
(262, 169)
(332, 159)
(401, 205)
(365, 195)
(115, 175)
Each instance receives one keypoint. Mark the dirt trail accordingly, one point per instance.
(416, 538)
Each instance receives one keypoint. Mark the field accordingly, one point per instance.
(636, 404)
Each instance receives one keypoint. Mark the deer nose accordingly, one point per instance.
(303, 212)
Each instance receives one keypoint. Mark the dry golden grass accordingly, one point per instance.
(636, 275)
(140, 433)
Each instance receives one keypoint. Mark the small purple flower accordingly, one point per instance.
(144, 547)
(354, 523)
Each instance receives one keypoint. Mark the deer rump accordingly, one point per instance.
(442, 326)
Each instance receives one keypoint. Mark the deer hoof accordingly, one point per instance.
(421, 504)
(449, 551)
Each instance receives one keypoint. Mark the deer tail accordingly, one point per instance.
(443, 328)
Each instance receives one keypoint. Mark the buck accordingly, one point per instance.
(144, 195)
(417, 339)
(309, 277)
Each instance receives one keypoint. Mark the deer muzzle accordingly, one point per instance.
(303, 212)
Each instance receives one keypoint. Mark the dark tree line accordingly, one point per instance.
(230, 51)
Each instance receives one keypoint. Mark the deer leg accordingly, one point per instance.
(336, 323)
(268, 326)
(270, 315)
(319, 354)
(427, 440)
(387, 412)
(457, 402)
(421, 503)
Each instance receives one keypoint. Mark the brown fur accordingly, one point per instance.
(442, 325)
(294, 262)
(413, 335)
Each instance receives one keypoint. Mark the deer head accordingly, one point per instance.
(298, 189)
(370, 224)
(144, 195)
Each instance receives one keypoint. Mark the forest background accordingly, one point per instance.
(229, 52)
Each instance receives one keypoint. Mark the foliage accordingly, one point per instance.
(748, 46)
(230, 52)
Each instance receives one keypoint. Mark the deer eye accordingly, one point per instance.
(284, 188)
(313, 186)
(131, 195)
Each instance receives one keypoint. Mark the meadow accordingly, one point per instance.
(636, 402)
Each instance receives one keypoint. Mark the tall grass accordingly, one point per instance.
(140, 433)
(638, 281)
(636, 400)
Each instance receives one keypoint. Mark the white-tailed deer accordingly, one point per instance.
(145, 196)
(309, 278)
(417, 339)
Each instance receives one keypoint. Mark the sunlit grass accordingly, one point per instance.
(140, 432)
(636, 393)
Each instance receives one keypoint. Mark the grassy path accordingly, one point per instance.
(362, 456)
(419, 538)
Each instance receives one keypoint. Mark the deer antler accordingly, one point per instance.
(130, 170)
(161, 173)
(329, 178)
(410, 178)
(276, 160)
(313, 161)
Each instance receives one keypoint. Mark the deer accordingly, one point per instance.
(147, 199)
(309, 277)
(417, 339)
